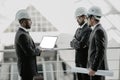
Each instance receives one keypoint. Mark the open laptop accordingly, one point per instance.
(48, 42)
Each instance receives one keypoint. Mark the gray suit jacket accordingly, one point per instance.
(26, 53)
(97, 49)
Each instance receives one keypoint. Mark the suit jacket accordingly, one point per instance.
(80, 40)
(26, 53)
(97, 49)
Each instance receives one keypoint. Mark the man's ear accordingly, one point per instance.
(24, 22)
(92, 18)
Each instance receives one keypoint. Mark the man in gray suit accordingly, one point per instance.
(25, 47)
(97, 44)
(79, 43)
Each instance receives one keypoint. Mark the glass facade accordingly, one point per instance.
(39, 22)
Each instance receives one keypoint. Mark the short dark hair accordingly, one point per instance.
(21, 20)
(90, 16)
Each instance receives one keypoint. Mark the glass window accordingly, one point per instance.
(115, 3)
(115, 20)
(106, 24)
(102, 4)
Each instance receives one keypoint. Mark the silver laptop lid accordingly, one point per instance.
(48, 41)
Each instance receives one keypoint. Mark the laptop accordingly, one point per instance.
(48, 42)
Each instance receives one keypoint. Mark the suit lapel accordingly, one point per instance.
(30, 38)
(93, 33)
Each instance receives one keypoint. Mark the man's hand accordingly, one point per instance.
(71, 44)
(75, 44)
(91, 72)
(41, 50)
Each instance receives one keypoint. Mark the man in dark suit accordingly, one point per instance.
(25, 47)
(97, 44)
(79, 43)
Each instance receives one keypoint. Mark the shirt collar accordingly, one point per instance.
(27, 30)
(93, 27)
(82, 25)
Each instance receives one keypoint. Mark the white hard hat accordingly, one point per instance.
(22, 14)
(80, 11)
(95, 11)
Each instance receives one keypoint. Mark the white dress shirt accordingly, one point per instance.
(93, 27)
(27, 30)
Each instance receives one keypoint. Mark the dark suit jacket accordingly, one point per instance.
(26, 52)
(80, 40)
(97, 49)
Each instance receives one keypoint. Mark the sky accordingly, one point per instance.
(61, 12)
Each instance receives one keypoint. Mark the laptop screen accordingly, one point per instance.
(48, 41)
